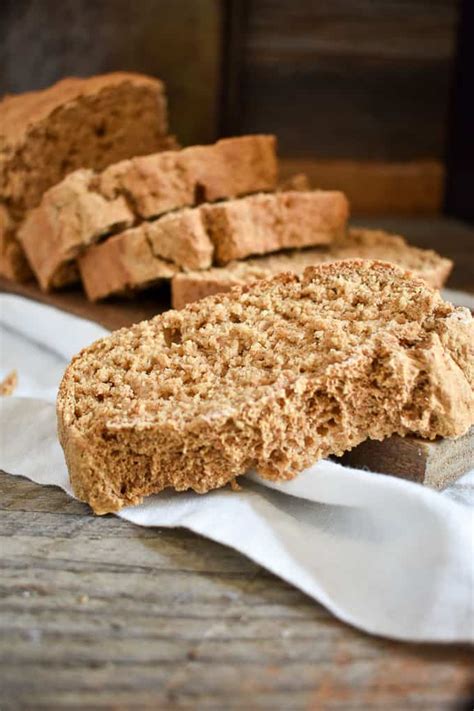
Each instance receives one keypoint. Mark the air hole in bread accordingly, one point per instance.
(100, 129)
(171, 335)
(199, 193)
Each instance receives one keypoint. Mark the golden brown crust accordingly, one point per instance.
(100, 124)
(13, 264)
(190, 237)
(44, 135)
(181, 237)
(132, 190)
(69, 212)
(267, 223)
(122, 263)
(273, 376)
(359, 243)
(20, 111)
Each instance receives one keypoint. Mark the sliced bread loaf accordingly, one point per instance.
(359, 244)
(87, 205)
(193, 238)
(44, 135)
(272, 376)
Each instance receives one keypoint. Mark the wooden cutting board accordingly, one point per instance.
(437, 464)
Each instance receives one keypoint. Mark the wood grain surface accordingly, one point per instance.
(96, 613)
(436, 463)
(374, 187)
(351, 79)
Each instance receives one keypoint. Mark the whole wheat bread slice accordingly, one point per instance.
(87, 205)
(360, 243)
(117, 265)
(44, 135)
(272, 376)
(194, 237)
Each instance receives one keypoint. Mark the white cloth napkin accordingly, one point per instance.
(389, 556)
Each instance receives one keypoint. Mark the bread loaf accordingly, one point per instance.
(360, 244)
(44, 135)
(193, 238)
(86, 205)
(272, 376)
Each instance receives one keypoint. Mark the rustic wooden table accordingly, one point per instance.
(96, 613)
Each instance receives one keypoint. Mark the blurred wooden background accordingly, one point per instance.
(359, 92)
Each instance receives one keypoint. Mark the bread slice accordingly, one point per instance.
(359, 244)
(273, 376)
(13, 264)
(119, 264)
(44, 135)
(266, 223)
(86, 206)
(192, 238)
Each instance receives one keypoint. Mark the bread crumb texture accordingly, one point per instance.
(9, 384)
(76, 123)
(274, 376)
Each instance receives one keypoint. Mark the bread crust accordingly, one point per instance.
(21, 111)
(121, 263)
(13, 263)
(267, 223)
(76, 123)
(273, 375)
(426, 264)
(191, 238)
(140, 189)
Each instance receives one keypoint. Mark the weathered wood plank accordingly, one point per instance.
(436, 464)
(349, 78)
(97, 613)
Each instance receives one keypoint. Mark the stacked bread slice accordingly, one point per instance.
(357, 244)
(94, 189)
(88, 206)
(196, 238)
(77, 123)
(150, 217)
(205, 217)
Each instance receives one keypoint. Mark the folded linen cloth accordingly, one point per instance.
(388, 556)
